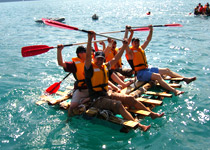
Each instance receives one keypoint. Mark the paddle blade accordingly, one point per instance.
(34, 50)
(53, 88)
(142, 29)
(174, 25)
(58, 24)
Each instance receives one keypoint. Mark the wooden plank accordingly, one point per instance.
(130, 123)
(65, 104)
(52, 100)
(92, 111)
(172, 85)
(44, 99)
(140, 112)
(141, 90)
(47, 98)
(70, 88)
(127, 123)
(62, 93)
(59, 100)
(173, 79)
(132, 87)
(149, 101)
(158, 94)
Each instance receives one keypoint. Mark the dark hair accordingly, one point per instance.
(135, 39)
(80, 49)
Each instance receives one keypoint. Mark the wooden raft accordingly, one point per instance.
(136, 90)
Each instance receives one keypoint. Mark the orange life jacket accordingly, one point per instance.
(139, 59)
(80, 73)
(99, 80)
(111, 55)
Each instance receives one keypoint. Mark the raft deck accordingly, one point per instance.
(137, 90)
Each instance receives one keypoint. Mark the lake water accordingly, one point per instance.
(24, 125)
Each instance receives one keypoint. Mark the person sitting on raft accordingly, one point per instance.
(114, 73)
(136, 57)
(80, 94)
(96, 76)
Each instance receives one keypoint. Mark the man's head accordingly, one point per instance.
(99, 58)
(135, 42)
(81, 52)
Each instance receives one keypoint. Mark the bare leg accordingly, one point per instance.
(166, 71)
(120, 76)
(138, 105)
(130, 101)
(118, 80)
(156, 76)
(126, 115)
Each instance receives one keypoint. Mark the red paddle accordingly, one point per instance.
(39, 49)
(138, 29)
(54, 87)
(166, 25)
(64, 26)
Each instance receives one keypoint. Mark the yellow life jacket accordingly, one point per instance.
(139, 59)
(80, 73)
(111, 55)
(99, 80)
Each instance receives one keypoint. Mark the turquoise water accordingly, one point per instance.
(24, 125)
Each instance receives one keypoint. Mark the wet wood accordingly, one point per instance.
(158, 94)
(132, 87)
(149, 101)
(172, 85)
(140, 112)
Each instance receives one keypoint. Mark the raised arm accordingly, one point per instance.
(129, 53)
(108, 48)
(59, 56)
(103, 44)
(149, 38)
(88, 50)
(131, 35)
(95, 44)
(119, 54)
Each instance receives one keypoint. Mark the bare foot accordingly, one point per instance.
(188, 80)
(178, 92)
(144, 128)
(156, 115)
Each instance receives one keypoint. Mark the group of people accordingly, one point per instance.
(202, 10)
(96, 71)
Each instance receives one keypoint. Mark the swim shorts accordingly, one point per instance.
(145, 74)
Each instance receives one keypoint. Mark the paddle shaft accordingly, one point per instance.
(81, 43)
(40, 49)
(100, 35)
(140, 29)
(54, 88)
(165, 25)
(64, 26)
(148, 26)
(65, 77)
